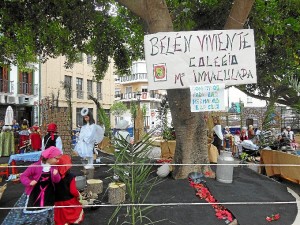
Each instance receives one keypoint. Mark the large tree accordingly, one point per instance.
(48, 28)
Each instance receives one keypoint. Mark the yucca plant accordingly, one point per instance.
(132, 168)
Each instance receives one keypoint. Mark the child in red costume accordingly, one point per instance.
(66, 194)
(35, 138)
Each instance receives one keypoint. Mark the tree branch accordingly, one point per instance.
(238, 14)
(137, 7)
(154, 12)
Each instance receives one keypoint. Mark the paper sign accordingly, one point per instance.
(181, 59)
(209, 97)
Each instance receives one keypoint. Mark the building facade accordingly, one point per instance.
(127, 88)
(82, 83)
(20, 90)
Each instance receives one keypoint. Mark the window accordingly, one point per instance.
(90, 87)
(68, 87)
(79, 118)
(128, 89)
(128, 93)
(25, 83)
(117, 93)
(89, 59)
(79, 88)
(99, 90)
(144, 89)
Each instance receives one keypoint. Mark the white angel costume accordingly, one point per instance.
(90, 134)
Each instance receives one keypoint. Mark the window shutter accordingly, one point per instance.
(5, 79)
(20, 82)
(30, 86)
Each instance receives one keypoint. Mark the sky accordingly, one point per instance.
(235, 95)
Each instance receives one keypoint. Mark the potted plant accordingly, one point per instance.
(168, 142)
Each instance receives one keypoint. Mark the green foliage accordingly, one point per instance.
(244, 156)
(277, 39)
(36, 30)
(268, 117)
(132, 167)
(118, 108)
(169, 133)
(104, 120)
(133, 109)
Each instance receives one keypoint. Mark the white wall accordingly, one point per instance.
(236, 95)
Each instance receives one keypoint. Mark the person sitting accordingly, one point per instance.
(227, 138)
(289, 133)
(237, 149)
(217, 135)
(243, 135)
(52, 138)
(251, 133)
(15, 125)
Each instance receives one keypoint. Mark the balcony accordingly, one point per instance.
(25, 88)
(145, 96)
(6, 86)
(36, 90)
(138, 77)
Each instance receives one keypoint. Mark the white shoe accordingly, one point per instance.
(89, 167)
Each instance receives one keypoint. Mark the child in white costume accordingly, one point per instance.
(90, 134)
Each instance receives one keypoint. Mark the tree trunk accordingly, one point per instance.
(191, 134)
(190, 128)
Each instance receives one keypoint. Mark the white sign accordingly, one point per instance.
(181, 59)
(209, 97)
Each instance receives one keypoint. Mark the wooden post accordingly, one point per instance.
(116, 193)
(95, 186)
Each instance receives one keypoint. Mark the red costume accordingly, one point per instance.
(66, 194)
(35, 139)
(244, 135)
(23, 136)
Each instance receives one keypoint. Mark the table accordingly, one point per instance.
(26, 157)
(277, 157)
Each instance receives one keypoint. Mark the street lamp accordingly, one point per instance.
(139, 121)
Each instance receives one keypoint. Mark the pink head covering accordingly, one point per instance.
(51, 152)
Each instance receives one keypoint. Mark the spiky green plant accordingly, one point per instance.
(103, 119)
(132, 167)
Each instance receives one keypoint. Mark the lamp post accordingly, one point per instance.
(138, 122)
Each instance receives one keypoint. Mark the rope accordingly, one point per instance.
(159, 164)
(158, 204)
